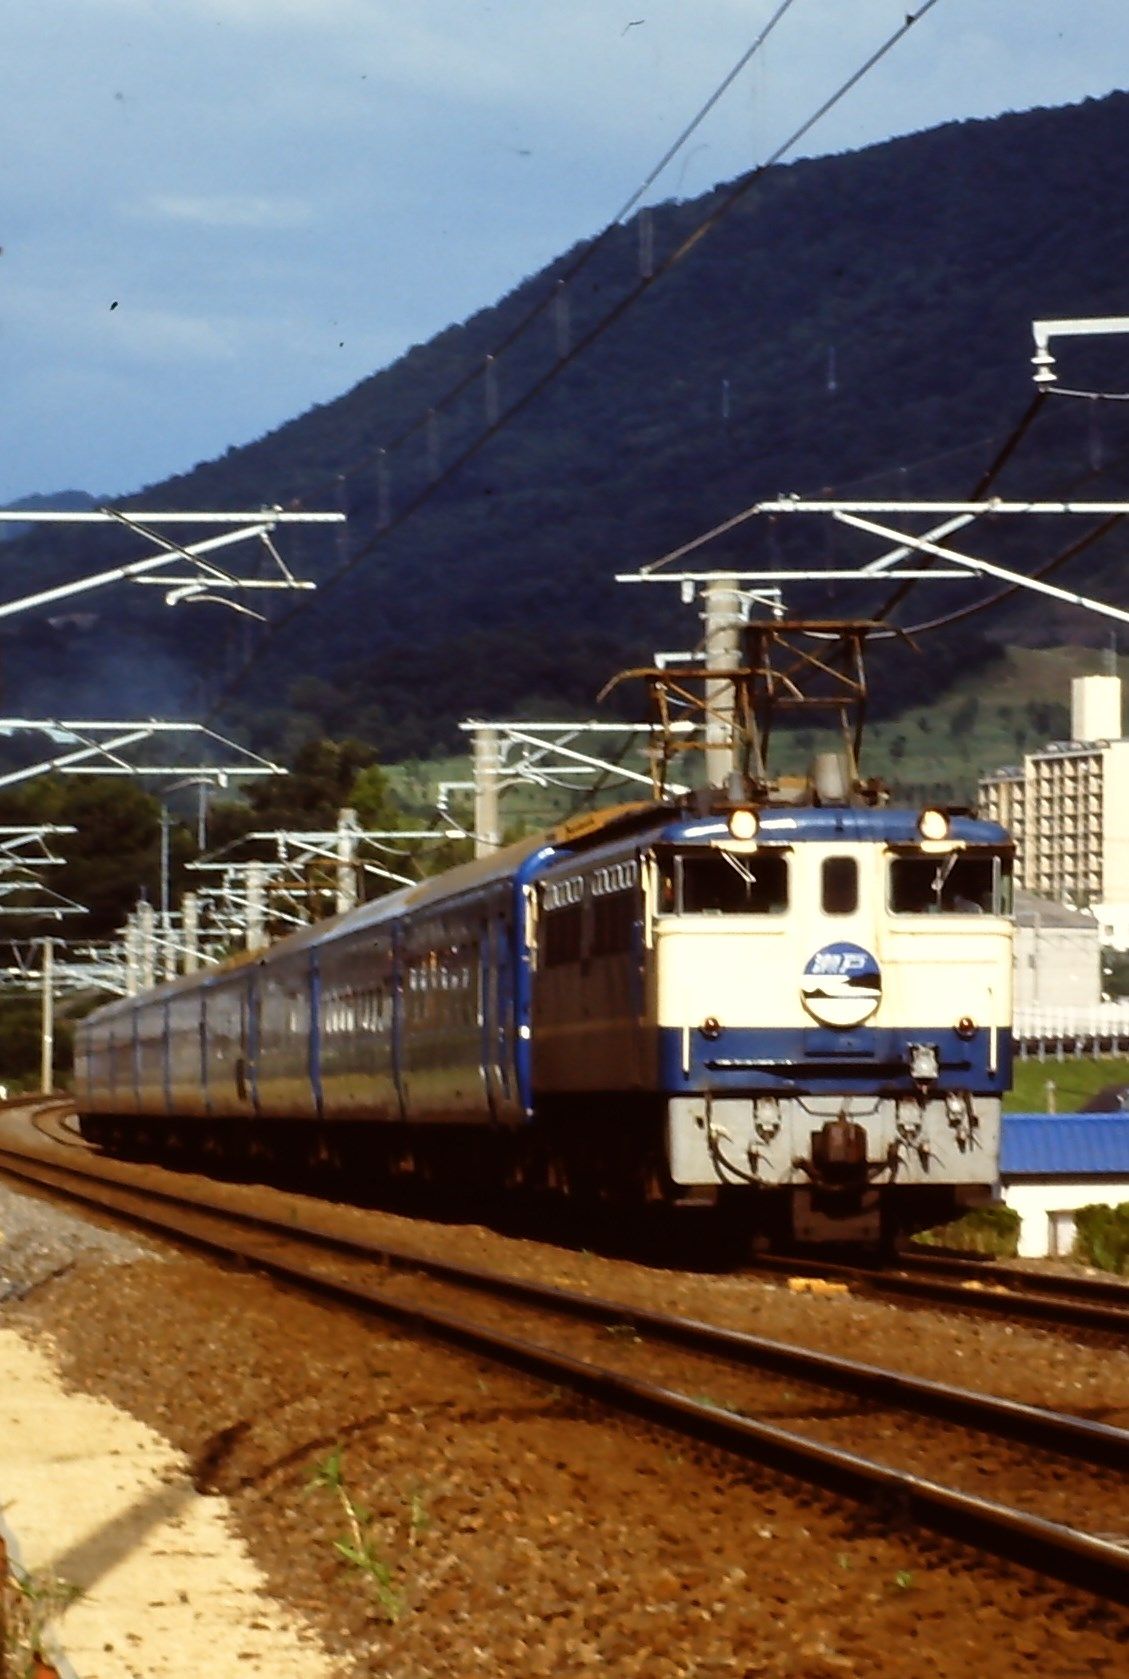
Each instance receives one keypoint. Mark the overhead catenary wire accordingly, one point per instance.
(727, 203)
(1096, 534)
(604, 781)
(837, 488)
(959, 615)
(1088, 396)
(589, 249)
(987, 479)
(1070, 552)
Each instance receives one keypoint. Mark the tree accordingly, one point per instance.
(963, 720)
(114, 856)
(372, 798)
(318, 787)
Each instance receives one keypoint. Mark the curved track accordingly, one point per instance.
(344, 1270)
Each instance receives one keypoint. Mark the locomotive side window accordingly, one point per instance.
(562, 936)
(952, 885)
(840, 885)
(613, 918)
(721, 883)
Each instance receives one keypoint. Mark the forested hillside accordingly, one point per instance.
(858, 323)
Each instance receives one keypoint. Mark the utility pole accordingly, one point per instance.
(347, 831)
(256, 906)
(202, 816)
(147, 965)
(132, 956)
(190, 917)
(487, 773)
(165, 825)
(47, 1059)
(723, 620)
(168, 949)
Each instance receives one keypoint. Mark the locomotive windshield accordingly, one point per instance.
(724, 883)
(961, 883)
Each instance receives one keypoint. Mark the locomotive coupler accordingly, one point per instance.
(838, 1152)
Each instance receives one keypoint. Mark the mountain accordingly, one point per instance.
(63, 501)
(857, 323)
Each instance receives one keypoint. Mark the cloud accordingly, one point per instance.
(169, 337)
(260, 212)
(417, 156)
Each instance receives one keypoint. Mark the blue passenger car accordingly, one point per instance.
(802, 1011)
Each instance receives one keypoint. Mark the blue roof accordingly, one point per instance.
(1065, 1145)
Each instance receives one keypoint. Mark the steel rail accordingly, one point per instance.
(1062, 1309)
(1074, 1437)
(1050, 1284)
(1051, 1548)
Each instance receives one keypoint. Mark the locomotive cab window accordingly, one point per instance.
(840, 885)
(723, 883)
(956, 884)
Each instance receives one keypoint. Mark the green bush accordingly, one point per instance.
(1101, 1236)
(993, 1229)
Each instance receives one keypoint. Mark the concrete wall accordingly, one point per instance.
(1057, 967)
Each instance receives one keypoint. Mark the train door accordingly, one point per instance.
(498, 1021)
(397, 1000)
(166, 1055)
(313, 1034)
(202, 1050)
(246, 1064)
(113, 1079)
(135, 1060)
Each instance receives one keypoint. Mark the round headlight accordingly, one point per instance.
(933, 825)
(743, 824)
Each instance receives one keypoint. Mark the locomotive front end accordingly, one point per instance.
(832, 993)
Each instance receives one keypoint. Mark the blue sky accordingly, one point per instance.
(280, 196)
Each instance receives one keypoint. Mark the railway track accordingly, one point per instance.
(364, 1276)
(1092, 1290)
(977, 1286)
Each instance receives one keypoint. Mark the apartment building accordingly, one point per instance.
(1067, 807)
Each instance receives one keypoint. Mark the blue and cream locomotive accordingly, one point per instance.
(800, 1010)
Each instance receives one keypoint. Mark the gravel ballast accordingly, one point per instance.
(137, 1574)
(516, 1531)
(40, 1240)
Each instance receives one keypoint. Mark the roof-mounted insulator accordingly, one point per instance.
(1044, 364)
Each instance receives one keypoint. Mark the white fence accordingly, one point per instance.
(1054, 1034)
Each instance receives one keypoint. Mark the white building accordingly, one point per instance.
(1052, 1164)
(1058, 957)
(1067, 807)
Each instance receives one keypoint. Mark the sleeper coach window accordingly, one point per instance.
(723, 883)
(840, 894)
(951, 885)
